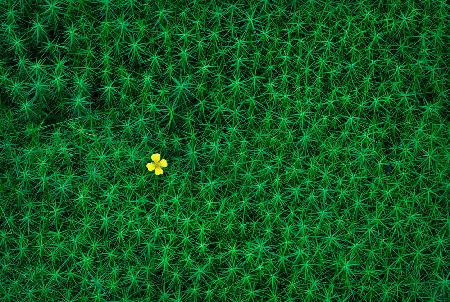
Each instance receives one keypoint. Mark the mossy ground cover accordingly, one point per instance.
(307, 146)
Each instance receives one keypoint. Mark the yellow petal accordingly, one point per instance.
(156, 157)
(150, 166)
(158, 171)
(163, 163)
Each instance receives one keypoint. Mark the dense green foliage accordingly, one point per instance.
(308, 150)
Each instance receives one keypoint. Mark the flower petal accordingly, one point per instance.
(158, 171)
(156, 157)
(150, 166)
(163, 163)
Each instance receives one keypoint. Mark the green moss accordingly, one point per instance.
(307, 142)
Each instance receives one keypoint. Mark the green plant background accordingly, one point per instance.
(307, 142)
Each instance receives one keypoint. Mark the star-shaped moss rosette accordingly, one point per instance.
(157, 164)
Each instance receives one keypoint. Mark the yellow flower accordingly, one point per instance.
(157, 164)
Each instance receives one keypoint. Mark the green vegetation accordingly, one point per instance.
(307, 146)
